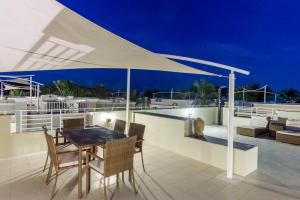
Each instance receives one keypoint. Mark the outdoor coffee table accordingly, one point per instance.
(90, 138)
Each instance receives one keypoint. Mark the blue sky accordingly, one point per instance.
(258, 35)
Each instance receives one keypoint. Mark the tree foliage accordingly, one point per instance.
(69, 88)
(17, 93)
(289, 95)
(205, 92)
(253, 94)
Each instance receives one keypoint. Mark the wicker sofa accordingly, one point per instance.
(258, 126)
(277, 125)
(290, 134)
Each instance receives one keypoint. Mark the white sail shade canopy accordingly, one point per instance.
(45, 35)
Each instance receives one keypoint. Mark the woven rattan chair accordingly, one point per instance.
(138, 130)
(73, 124)
(118, 157)
(59, 147)
(69, 125)
(120, 126)
(59, 161)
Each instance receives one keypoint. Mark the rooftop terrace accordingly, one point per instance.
(168, 176)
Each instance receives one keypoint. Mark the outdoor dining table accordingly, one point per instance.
(91, 138)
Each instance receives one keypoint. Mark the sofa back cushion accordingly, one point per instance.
(259, 121)
(282, 120)
(293, 122)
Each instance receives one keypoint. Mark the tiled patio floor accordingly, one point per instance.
(168, 176)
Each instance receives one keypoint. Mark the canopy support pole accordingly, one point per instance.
(230, 125)
(38, 97)
(2, 90)
(30, 91)
(265, 94)
(243, 96)
(127, 100)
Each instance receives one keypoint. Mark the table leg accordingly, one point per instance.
(79, 172)
(56, 138)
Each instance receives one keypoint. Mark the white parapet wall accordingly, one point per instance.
(168, 133)
(208, 114)
(237, 121)
(19, 144)
(285, 111)
(107, 119)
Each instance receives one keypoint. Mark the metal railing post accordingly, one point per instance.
(21, 121)
(51, 120)
(60, 120)
(84, 118)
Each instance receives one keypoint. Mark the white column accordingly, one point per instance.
(265, 94)
(30, 90)
(2, 90)
(127, 100)
(38, 96)
(243, 95)
(230, 125)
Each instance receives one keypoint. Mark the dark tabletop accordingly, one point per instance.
(93, 136)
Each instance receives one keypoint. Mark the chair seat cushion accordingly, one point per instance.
(288, 132)
(69, 158)
(66, 148)
(292, 128)
(97, 165)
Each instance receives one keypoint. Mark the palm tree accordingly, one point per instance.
(289, 94)
(206, 93)
(17, 92)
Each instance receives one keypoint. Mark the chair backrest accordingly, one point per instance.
(73, 124)
(120, 126)
(137, 130)
(45, 134)
(51, 148)
(118, 155)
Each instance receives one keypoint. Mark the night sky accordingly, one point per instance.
(261, 36)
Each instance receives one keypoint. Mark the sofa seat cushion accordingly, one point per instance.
(289, 132)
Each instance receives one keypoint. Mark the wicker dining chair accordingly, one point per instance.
(60, 161)
(120, 126)
(138, 130)
(118, 157)
(73, 124)
(59, 147)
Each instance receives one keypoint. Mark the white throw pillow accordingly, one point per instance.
(259, 121)
(293, 122)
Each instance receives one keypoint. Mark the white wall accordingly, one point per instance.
(237, 121)
(241, 121)
(289, 114)
(169, 134)
(19, 144)
(208, 114)
(100, 118)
